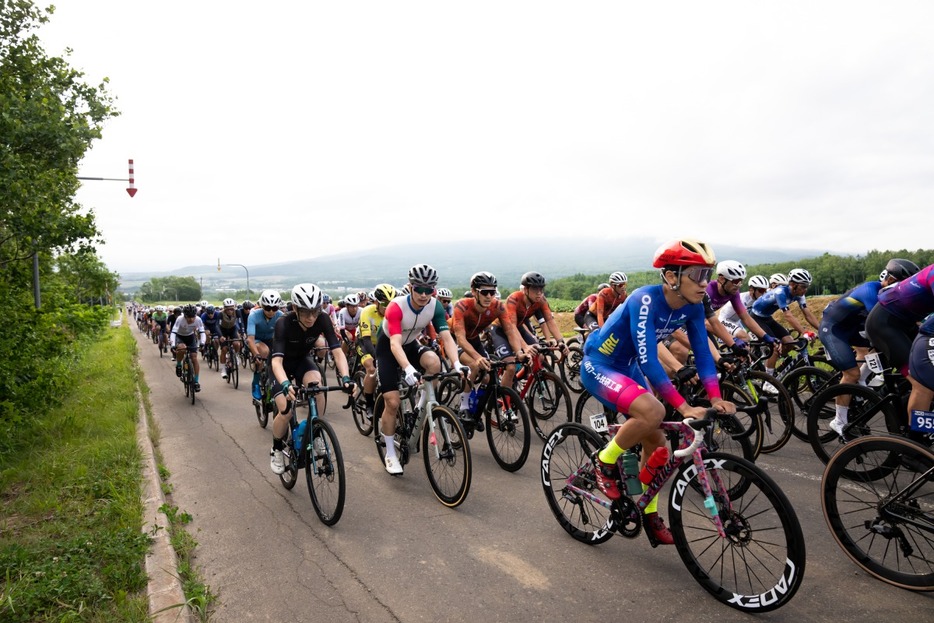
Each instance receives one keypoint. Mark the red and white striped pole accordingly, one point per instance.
(132, 189)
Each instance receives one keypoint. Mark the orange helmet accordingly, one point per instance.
(685, 252)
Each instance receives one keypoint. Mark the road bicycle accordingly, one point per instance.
(231, 365)
(266, 405)
(733, 527)
(877, 494)
(187, 375)
(312, 445)
(426, 426)
(499, 411)
(543, 391)
(209, 354)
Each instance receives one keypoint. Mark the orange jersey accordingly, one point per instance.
(473, 318)
(605, 303)
(518, 310)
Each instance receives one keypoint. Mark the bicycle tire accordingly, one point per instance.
(869, 414)
(739, 435)
(234, 371)
(358, 407)
(447, 457)
(567, 453)
(449, 390)
(803, 383)
(587, 405)
(289, 477)
(571, 369)
(759, 566)
(508, 430)
(874, 516)
(778, 418)
(325, 473)
(546, 399)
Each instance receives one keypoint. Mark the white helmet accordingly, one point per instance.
(731, 269)
(229, 302)
(270, 298)
(160, 308)
(800, 275)
(618, 278)
(758, 281)
(778, 278)
(883, 275)
(203, 304)
(307, 296)
(444, 293)
(423, 275)
(351, 299)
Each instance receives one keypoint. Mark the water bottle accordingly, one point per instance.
(480, 394)
(472, 402)
(297, 435)
(658, 459)
(631, 473)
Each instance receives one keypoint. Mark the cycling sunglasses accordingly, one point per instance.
(270, 307)
(423, 290)
(487, 292)
(699, 274)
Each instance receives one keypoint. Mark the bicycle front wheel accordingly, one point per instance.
(868, 414)
(758, 566)
(877, 494)
(570, 485)
(447, 457)
(571, 369)
(549, 403)
(778, 418)
(508, 429)
(363, 423)
(324, 473)
(803, 384)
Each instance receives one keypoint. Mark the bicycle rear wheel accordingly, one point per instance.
(358, 407)
(869, 414)
(508, 430)
(740, 435)
(803, 384)
(778, 418)
(571, 369)
(760, 563)
(324, 473)
(447, 457)
(565, 463)
(877, 494)
(549, 403)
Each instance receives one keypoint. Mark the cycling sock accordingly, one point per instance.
(651, 507)
(390, 446)
(465, 401)
(842, 413)
(278, 444)
(770, 371)
(864, 373)
(196, 378)
(370, 400)
(611, 452)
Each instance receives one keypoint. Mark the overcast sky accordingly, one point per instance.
(265, 132)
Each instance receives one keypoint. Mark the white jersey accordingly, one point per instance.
(728, 314)
(346, 321)
(185, 328)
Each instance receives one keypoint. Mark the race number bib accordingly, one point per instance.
(874, 363)
(922, 421)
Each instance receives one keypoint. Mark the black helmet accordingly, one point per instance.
(533, 280)
(423, 275)
(900, 268)
(189, 311)
(483, 279)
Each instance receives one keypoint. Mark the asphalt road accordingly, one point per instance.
(397, 554)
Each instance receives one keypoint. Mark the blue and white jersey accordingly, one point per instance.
(260, 327)
(778, 298)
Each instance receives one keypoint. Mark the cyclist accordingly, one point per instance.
(842, 330)
(348, 318)
(621, 361)
(398, 348)
(728, 317)
(921, 366)
(293, 358)
(245, 308)
(781, 297)
(211, 321)
(778, 279)
(528, 301)
(444, 297)
(229, 327)
(186, 329)
(370, 320)
(581, 311)
(608, 299)
(159, 320)
(472, 316)
(725, 290)
(892, 328)
(260, 330)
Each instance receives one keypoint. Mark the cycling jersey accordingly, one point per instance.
(632, 332)
(229, 321)
(728, 312)
(605, 303)
(854, 305)
(403, 319)
(473, 318)
(779, 297)
(347, 322)
(160, 318)
(184, 328)
(584, 305)
(293, 342)
(262, 328)
(519, 310)
(211, 323)
(913, 298)
(718, 300)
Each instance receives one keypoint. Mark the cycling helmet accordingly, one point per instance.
(901, 269)
(270, 298)
(778, 279)
(685, 252)
(423, 275)
(247, 303)
(203, 304)
(189, 311)
(533, 280)
(326, 298)
(483, 279)
(883, 275)
(602, 286)
(177, 311)
(230, 303)
(407, 289)
(361, 295)
(307, 296)
(209, 309)
(160, 308)
(731, 269)
(352, 299)
(444, 293)
(618, 278)
(799, 275)
(758, 281)
(384, 293)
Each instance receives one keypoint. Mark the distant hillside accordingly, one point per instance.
(507, 259)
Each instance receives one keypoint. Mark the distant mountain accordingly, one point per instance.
(455, 262)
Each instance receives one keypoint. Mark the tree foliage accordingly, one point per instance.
(49, 116)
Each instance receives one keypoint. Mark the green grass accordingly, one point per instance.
(71, 546)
